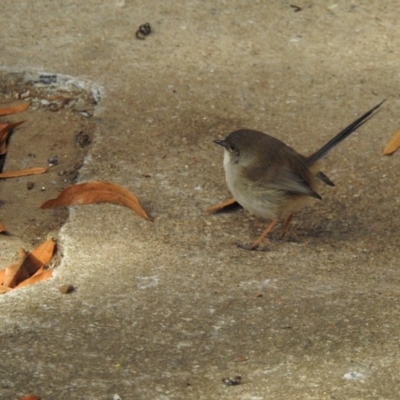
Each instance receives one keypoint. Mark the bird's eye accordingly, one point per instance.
(231, 148)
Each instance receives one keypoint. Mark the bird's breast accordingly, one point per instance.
(259, 200)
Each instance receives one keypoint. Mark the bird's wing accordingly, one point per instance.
(291, 176)
(293, 182)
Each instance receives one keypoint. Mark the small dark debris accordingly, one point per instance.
(83, 139)
(32, 155)
(30, 185)
(54, 107)
(143, 31)
(53, 160)
(66, 288)
(232, 381)
(146, 175)
(296, 8)
(47, 79)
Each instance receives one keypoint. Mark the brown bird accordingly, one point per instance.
(272, 180)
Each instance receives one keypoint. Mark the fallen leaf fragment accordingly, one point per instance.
(393, 145)
(44, 275)
(2, 229)
(30, 268)
(8, 276)
(220, 206)
(96, 192)
(4, 133)
(42, 254)
(15, 109)
(30, 397)
(14, 274)
(24, 172)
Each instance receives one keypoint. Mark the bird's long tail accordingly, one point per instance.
(341, 136)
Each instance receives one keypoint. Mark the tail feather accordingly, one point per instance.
(341, 135)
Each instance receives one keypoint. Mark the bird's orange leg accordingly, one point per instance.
(265, 233)
(286, 226)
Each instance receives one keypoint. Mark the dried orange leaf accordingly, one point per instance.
(14, 274)
(7, 128)
(220, 206)
(30, 397)
(96, 192)
(2, 273)
(4, 133)
(30, 269)
(43, 253)
(14, 109)
(393, 145)
(2, 229)
(31, 265)
(24, 172)
(17, 272)
(44, 275)
(38, 272)
(26, 270)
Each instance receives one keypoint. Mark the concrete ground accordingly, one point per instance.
(166, 310)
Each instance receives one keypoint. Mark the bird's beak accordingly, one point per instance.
(220, 142)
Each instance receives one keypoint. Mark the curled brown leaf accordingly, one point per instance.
(44, 252)
(5, 133)
(220, 206)
(30, 397)
(15, 109)
(14, 274)
(393, 145)
(96, 192)
(41, 275)
(24, 172)
(30, 268)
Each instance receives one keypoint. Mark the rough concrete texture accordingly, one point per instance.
(165, 310)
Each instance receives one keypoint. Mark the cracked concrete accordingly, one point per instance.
(165, 310)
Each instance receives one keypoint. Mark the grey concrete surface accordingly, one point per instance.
(165, 310)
